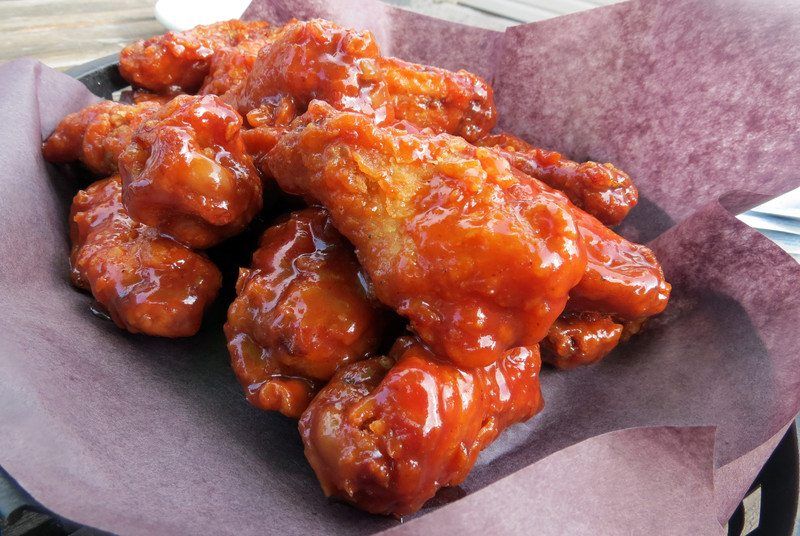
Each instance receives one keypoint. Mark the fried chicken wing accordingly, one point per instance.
(96, 135)
(580, 339)
(622, 286)
(302, 311)
(622, 278)
(469, 250)
(148, 283)
(320, 60)
(182, 59)
(602, 190)
(386, 433)
(458, 103)
(231, 65)
(186, 172)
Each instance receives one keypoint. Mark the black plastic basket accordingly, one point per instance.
(778, 483)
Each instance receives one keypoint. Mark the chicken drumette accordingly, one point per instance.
(186, 172)
(302, 311)
(317, 59)
(602, 190)
(386, 433)
(183, 59)
(148, 283)
(97, 134)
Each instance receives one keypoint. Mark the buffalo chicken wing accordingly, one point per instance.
(386, 433)
(186, 172)
(478, 258)
(302, 310)
(148, 283)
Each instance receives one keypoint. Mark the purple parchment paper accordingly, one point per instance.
(697, 99)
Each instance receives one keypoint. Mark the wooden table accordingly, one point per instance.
(63, 33)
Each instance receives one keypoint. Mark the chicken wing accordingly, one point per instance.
(320, 60)
(580, 339)
(622, 278)
(231, 65)
(602, 190)
(302, 311)
(96, 135)
(186, 172)
(469, 250)
(183, 59)
(386, 433)
(622, 286)
(148, 283)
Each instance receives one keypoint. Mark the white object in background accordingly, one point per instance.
(181, 15)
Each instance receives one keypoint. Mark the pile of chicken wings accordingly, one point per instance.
(491, 254)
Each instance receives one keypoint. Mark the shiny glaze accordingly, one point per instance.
(622, 278)
(317, 60)
(386, 433)
(577, 339)
(320, 60)
(602, 190)
(148, 283)
(96, 135)
(182, 59)
(186, 172)
(474, 254)
(302, 311)
(231, 65)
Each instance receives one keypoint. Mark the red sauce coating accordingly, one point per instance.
(320, 60)
(602, 190)
(230, 66)
(182, 59)
(475, 255)
(148, 283)
(96, 135)
(577, 339)
(186, 172)
(302, 311)
(459, 103)
(622, 278)
(386, 433)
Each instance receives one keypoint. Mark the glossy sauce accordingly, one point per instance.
(148, 283)
(622, 278)
(343, 67)
(302, 311)
(478, 258)
(386, 433)
(577, 339)
(602, 190)
(96, 135)
(230, 66)
(183, 59)
(186, 172)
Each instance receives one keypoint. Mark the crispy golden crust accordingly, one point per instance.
(476, 256)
